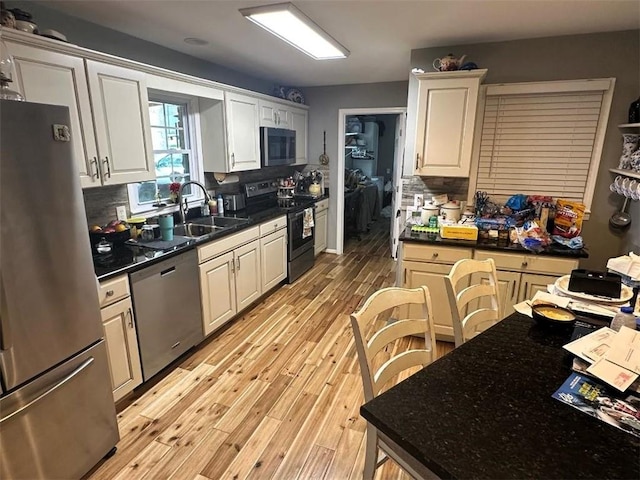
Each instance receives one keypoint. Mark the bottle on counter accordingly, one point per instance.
(624, 317)
(220, 205)
(213, 207)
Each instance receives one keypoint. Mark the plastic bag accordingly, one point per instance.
(568, 221)
(532, 237)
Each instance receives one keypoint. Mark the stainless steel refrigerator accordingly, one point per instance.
(57, 415)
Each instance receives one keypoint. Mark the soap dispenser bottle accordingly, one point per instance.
(220, 205)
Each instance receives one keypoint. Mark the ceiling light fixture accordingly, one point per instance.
(288, 23)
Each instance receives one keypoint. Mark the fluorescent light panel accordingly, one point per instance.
(288, 23)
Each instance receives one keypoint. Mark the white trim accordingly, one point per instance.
(195, 153)
(342, 114)
(81, 52)
(604, 85)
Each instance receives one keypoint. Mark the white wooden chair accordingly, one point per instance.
(476, 307)
(375, 379)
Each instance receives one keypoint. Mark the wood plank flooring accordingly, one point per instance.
(275, 395)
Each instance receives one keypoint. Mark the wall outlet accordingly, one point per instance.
(121, 213)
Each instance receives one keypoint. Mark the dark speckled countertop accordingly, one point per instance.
(485, 411)
(554, 249)
(127, 258)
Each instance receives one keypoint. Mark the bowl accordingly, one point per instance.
(549, 314)
(115, 238)
(26, 26)
(49, 33)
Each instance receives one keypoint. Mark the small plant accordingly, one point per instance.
(174, 188)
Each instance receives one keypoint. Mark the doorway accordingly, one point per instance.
(359, 133)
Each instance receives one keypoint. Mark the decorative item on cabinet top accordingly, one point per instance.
(288, 93)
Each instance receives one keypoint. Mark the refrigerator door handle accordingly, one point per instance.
(5, 328)
(66, 379)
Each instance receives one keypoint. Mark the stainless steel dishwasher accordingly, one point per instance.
(166, 302)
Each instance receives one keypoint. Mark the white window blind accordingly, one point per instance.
(542, 139)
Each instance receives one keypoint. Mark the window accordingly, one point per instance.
(174, 156)
(542, 138)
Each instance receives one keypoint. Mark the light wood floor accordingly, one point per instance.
(274, 395)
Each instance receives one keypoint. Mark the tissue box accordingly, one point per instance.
(595, 283)
(459, 232)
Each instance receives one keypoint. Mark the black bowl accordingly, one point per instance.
(116, 238)
(553, 315)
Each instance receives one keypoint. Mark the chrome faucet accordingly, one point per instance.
(183, 211)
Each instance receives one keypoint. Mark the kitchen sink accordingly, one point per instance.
(219, 222)
(194, 230)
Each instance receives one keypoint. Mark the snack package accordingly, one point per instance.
(568, 221)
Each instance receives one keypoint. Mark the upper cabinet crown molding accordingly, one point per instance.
(444, 121)
(71, 49)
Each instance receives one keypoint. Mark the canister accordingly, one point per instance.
(166, 226)
(450, 212)
(428, 211)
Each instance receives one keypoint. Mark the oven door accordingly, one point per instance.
(277, 146)
(297, 244)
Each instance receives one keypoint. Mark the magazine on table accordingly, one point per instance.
(594, 398)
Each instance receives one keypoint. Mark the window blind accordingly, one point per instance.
(538, 143)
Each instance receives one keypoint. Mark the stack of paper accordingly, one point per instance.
(614, 356)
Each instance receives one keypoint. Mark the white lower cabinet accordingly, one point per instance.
(273, 253)
(520, 276)
(230, 277)
(320, 233)
(120, 336)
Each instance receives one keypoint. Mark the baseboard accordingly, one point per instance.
(331, 250)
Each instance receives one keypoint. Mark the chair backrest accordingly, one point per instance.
(363, 321)
(470, 311)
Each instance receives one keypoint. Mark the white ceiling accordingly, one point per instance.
(379, 34)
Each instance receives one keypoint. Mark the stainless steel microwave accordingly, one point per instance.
(277, 146)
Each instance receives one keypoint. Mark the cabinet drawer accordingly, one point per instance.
(272, 225)
(529, 263)
(112, 290)
(433, 253)
(219, 247)
(322, 205)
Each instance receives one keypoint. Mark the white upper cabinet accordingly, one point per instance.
(121, 115)
(243, 132)
(299, 122)
(445, 121)
(274, 115)
(108, 106)
(58, 79)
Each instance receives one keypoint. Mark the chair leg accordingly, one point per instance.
(371, 453)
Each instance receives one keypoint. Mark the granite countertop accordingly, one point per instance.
(554, 249)
(130, 258)
(485, 411)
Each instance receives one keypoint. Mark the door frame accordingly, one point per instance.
(342, 121)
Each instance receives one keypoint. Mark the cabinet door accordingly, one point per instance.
(432, 275)
(320, 234)
(57, 79)
(446, 120)
(273, 115)
(299, 119)
(273, 255)
(532, 283)
(121, 115)
(243, 132)
(508, 289)
(122, 347)
(217, 292)
(248, 278)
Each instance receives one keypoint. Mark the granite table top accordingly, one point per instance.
(485, 411)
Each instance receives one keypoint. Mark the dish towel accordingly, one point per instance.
(307, 223)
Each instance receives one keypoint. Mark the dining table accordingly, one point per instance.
(485, 411)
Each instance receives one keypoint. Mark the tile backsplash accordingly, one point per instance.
(455, 187)
(101, 202)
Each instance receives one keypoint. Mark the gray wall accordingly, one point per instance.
(386, 146)
(106, 40)
(325, 103)
(613, 54)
